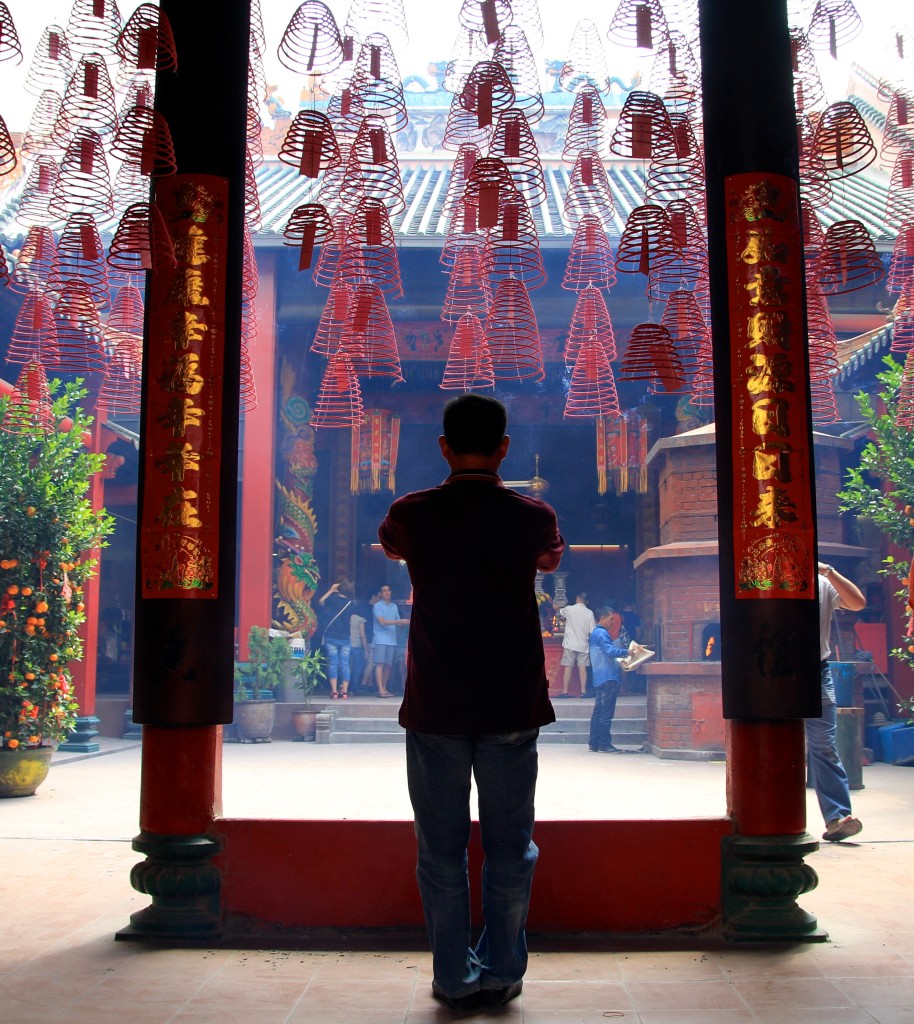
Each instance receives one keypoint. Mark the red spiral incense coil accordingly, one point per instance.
(309, 225)
(822, 401)
(463, 129)
(330, 329)
(590, 259)
(127, 311)
(848, 260)
(815, 184)
(488, 17)
(586, 125)
(310, 144)
(339, 399)
(903, 333)
(147, 43)
(121, 387)
(468, 289)
(81, 257)
(325, 273)
(34, 334)
(83, 183)
(702, 388)
(512, 248)
(513, 143)
(52, 63)
(345, 111)
(893, 63)
(247, 386)
(834, 24)
(376, 80)
(386, 16)
(592, 390)
(144, 139)
(35, 197)
(311, 43)
(36, 261)
(590, 319)
(643, 126)
(652, 356)
(368, 337)
(899, 203)
(487, 92)
(675, 75)
(4, 268)
(8, 159)
(647, 238)
(461, 168)
(843, 142)
(639, 23)
(677, 168)
(513, 53)
(141, 241)
(687, 327)
(29, 408)
(898, 131)
(686, 266)
(253, 215)
(373, 170)
(585, 65)
(94, 26)
(329, 192)
(89, 101)
(131, 186)
(463, 233)
(469, 364)
(813, 234)
(512, 335)
(370, 249)
(487, 184)
(470, 47)
(79, 331)
(808, 91)
(901, 265)
(253, 134)
(41, 138)
(589, 192)
(250, 275)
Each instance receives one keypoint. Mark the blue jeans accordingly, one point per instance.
(604, 710)
(337, 652)
(438, 772)
(826, 772)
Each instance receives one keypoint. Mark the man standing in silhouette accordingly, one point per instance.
(476, 696)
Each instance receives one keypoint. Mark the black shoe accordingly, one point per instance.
(502, 996)
(474, 1001)
(609, 750)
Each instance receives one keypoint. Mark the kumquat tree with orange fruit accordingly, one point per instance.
(47, 531)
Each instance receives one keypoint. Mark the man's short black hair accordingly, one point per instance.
(603, 611)
(474, 424)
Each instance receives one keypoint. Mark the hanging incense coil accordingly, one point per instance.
(147, 43)
(331, 327)
(325, 272)
(253, 215)
(34, 334)
(592, 390)
(688, 231)
(254, 134)
(639, 23)
(376, 79)
(8, 159)
(469, 364)
(843, 142)
(643, 126)
(121, 387)
(687, 327)
(309, 225)
(590, 259)
(29, 409)
(590, 319)
(94, 26)
(460, 171)
(525, 14)
(489, 17)
(339, 399)
(36, 261)
(815, 185)
(677, 168)
(513, 143)
(835, 23)
(463, 129)
(903, 334)
(512, 248)
(823, 405)
(487, 92)
(652, 356)
(4, 268)
(250, 275)
(904, 407)
(345, 112)
(35, 197)
(373, 171)
(247, 386)
(138, 92)
(144, 139)
(370, 249)
(488, 182)
(131, 186)
(647, 238)
(386, 16)
(686, 267)
(141, 241)
(127, 311)
(368, 337)
(586, 125)
(470, 47)
(83, 183)
(310, 144)
(89, 101)
(813, 233)
(899, 203)
(331, 184)
(808, 91)
(52, 63)
(893, 62)
(79, 331)
(585, 64)
(589, 192)
(675, 75)
(468, 290)
(898, 131)
(81, 257)
(41, 138)
(463, 232)
(901, 265)
(513, 53)
(512, 335)
(848, 260)
(311, 43)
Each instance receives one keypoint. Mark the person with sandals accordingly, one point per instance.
(335, 609)
(384, 642)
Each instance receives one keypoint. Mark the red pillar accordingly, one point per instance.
(258, 470)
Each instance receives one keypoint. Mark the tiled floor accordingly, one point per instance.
(64, 892)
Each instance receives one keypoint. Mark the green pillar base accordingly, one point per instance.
(132, 731)
(761, 878)
(82, 740)
(184, 886)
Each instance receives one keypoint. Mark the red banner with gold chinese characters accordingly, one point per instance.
(773, 521)
(180, 534)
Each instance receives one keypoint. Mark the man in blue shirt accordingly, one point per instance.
(384, 643)
(607, 680)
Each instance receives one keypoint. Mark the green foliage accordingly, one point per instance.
(269, 655)
(308, 672)
(47, 532)
(906, 707)
(881, 488)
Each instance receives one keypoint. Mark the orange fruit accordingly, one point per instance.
(13, 744)
(31, 510)
(26, 591)
(29, 675)
(41, 606)
(53, 657)
(12, 589)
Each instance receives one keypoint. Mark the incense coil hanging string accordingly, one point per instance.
(141, 241)
(675, 75)
(94, 26)
(144, 139)
(468, 289)
(339, 399)
(901, 265)
(687, 327)
(309, 225)
(469, 364)
(848, 260)
(592, 390)
(463, 129)
(370, 249)
(513, 53)
(310, 144)
(815, 184)
(647, 238)
(81, 257)
(590, 319)
(513, 143)
(677, 166)
(127, 312)
(83, 183)
(512, 335)
(643, 126)
(808, 91)
(651, 355)
(368, 337)
(330, 328)
(386, 16)
(843, 142)
(121, 389)
(311, 43)
(147, 42)
(29, 409)
(834, 23)
(898, 131)
(36, 261)
(89, 100)
(51, 65)
(35, 197)
(376, 78)
(899, 203)
(589, 192)
(639, 23)
(79, 331)
(41, 138)
(512, 248)
(586, 125)
(8, 159)
(590, 259)
(487, 92)
(373, 171)
(34, 334)
(585, 63)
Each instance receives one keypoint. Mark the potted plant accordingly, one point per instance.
(307, 673)
(47, 530)
(903, 738)
(256, 682)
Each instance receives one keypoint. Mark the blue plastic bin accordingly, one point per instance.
(844, 674)
(887, 742)
(903, 744)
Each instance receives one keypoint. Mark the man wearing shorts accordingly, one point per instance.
(579, 624)
(384, 642)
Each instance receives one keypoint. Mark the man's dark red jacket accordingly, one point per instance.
(473, 548)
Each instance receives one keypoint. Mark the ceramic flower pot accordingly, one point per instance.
(22, 771)
(254, 720)
(305, 724)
